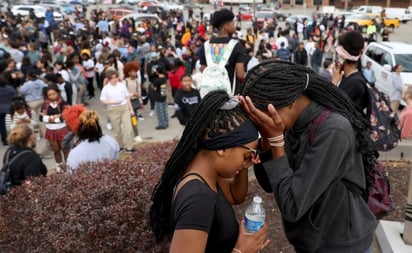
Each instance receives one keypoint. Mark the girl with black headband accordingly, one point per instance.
(312, 143)
(206, 173)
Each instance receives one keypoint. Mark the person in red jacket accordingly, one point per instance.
(175, 76)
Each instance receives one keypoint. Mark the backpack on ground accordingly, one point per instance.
(5, 178)
(385, 125)
(215, 75)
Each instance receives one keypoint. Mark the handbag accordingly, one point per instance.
(136, 104)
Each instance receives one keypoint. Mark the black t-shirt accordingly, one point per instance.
(187, 102)
(355, 87)
(27, 165)
(160, 89)
(238, 56)
(198, 207)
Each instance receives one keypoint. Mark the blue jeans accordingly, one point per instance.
(162, 115)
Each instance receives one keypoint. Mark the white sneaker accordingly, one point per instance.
(109, 126)
(58, 167)
(151, 113)
(138, 139)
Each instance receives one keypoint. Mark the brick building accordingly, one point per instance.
(341, 3)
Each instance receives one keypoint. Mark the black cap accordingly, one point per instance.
(222, 17)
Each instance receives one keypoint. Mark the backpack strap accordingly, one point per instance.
(9, 162)
(18, 155)
(228, 51)
(316, 122)
(226, 54)
(209, 60)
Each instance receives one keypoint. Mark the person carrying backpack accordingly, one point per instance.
(214, 49)
(29, 164)
(313, 142)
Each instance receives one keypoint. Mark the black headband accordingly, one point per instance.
(245, 133)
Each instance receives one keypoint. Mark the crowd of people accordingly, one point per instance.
(52, 70)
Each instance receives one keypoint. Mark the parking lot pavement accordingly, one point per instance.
(146, 130)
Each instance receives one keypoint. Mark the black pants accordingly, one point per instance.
(90, 87)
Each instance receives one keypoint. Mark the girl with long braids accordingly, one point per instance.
(313, 140)
(94, 145)
(206, 173)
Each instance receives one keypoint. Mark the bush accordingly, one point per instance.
(101, 207)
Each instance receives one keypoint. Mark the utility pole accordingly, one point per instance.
(345, 6)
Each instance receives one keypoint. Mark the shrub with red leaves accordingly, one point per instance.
(101, 207)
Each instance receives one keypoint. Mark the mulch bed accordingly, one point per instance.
(399, 173)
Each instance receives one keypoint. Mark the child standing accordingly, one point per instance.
(160, 94)
(51, 115)
(186, 100)
(406, 114)
(20, 113)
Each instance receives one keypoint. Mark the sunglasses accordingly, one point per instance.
(255, 154)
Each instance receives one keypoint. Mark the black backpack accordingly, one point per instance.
(5, 179)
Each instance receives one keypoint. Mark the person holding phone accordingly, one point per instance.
(346, 74)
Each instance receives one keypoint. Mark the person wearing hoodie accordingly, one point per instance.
(32, 90)
(7, 92)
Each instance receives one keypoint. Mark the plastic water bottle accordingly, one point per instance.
(255, 215)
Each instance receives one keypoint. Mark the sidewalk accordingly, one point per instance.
(146, 129)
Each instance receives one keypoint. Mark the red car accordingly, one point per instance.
(262, 17)
(148, 3)
(245, 16)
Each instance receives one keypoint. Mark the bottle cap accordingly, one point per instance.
(257, 199)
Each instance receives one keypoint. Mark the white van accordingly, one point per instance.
(384, 56)
(370, 10)
(403, 14)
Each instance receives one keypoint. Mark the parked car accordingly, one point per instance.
(370, 10)
(364, 21)
(280, 16)
(403, 14)
(264, 16)
(384, 56)
(244, 16)
(244, 8)
(138, 17)
(259, 7)
(39, 11)
(291, 20)
(117, 14)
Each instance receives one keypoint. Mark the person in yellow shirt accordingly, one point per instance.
(186, 37)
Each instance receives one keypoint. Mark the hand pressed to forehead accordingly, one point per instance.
(269, 123)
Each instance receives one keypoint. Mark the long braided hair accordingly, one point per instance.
(280, 83)
(207, 121)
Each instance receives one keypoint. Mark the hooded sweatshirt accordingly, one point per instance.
(6, 94)
(32, 90)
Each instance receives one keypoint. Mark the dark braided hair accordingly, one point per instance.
(281, 83)
(207, 121)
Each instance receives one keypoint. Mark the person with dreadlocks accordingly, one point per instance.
(206, 173)
(93, 146)
(313, 142)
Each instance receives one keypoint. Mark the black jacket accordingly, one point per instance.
(28, 165)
